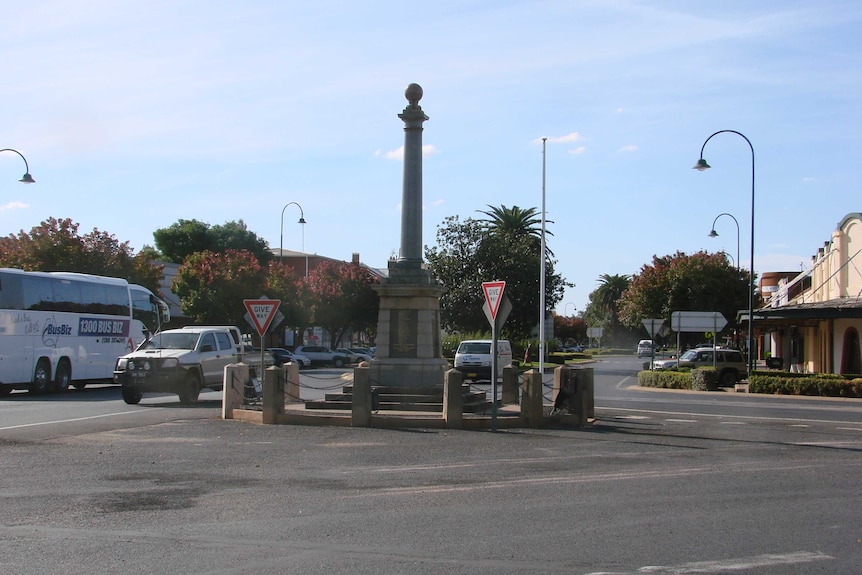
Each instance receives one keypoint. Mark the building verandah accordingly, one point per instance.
(812, 320)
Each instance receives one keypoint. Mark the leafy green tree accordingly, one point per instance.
(182, 239)
(681, 282)
(186, 237)
(607, 296)
(343, 299)
(471, 252)
(212, 286)
(55, 245)
(237, 236)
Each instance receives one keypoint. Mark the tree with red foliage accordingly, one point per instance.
(212, 286)
(55, 245)
(343, 299)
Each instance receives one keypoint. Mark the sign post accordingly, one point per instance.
(261, 312)
(496, 306)
(653, 326)
(691, 321)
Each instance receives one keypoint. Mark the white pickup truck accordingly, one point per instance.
(181, 361)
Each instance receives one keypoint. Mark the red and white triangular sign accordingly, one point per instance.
(493, 296)
(262, 311)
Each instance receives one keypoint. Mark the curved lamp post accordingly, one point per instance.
(566, 308)
(281, 239)
(26, 178)
(701, 166)
(714, 234)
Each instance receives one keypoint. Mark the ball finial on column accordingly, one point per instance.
(413, 93)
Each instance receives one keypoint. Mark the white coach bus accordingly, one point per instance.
(62, 328)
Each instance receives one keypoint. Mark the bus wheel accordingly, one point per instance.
(132, 395)
(41, 377)
(64, 377)
(190, 390)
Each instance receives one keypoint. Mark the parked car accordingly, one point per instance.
(322, 355)
(369, 351)
(730, 363)
(664, 363)
(355, 355)
(282, 356)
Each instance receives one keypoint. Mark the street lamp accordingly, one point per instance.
(281, 240)
(701, 166)
(566, 308)
(714, 234)
(26, 178)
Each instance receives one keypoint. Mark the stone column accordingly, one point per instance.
(411, 198)
(409, 351)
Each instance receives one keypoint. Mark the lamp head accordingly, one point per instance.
(713, 234)
(301, 220)
(27, 179)
(701, 165)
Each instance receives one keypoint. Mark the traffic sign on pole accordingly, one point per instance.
(493, 296)
(262, 312)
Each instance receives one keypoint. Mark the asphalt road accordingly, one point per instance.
(667, 483)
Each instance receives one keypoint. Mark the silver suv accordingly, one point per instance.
(181, 361)
(730, 363)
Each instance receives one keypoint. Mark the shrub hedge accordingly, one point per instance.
(816, 384)
(770, 382)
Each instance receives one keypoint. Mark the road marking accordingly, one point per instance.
(77, 419)
(723, 566)
(681, 420)
(849, 428)
(719, 416)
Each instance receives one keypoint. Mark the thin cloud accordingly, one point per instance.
(578, 151)
(427, 150)
(567, 139)
(629, 148)
(13, 206)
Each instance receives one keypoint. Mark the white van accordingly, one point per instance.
(645, 348)
(473, 358)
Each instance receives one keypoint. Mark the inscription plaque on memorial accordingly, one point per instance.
(403, 325)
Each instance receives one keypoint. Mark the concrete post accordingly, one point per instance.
(361, 405)
(572, 394)
(453, 399)
(510, 386)
(532, 410)
(291, 382)
(273, 394)
(589, 392)
(233, 388)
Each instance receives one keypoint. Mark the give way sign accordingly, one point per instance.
(262, 311)
(493, 296)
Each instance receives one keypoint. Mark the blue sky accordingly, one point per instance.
(133, 115)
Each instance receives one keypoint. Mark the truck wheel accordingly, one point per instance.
(728, 378)
(132, 395)
(41, 377)
(63, 378)
(190, 390)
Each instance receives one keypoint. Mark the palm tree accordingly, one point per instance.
(611, 288)
(513, 222)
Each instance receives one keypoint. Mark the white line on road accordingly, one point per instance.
(723, 566)
(77, 419)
